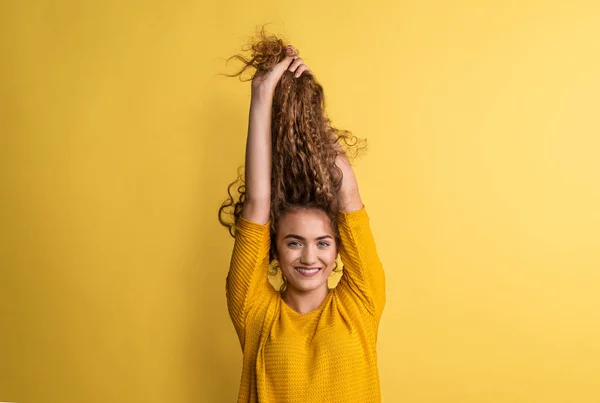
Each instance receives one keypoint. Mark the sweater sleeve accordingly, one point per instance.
(247, 281)
(363, 274)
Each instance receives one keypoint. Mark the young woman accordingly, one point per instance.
(300, 207)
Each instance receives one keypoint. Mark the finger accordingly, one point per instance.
(290, 54)
(301, 70)
(285, 63)
(282, 66)
(297, 63)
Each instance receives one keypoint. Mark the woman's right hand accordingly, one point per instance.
(265, 84)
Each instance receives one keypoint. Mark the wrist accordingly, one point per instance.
(262, 94)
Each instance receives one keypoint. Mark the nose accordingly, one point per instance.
(308, 256)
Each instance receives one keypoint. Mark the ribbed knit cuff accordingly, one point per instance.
(348, 219)
(251, 228)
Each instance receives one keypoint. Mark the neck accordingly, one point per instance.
(305, 301)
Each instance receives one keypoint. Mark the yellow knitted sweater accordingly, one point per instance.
(327, 355)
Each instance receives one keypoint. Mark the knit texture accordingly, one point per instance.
(327, 355)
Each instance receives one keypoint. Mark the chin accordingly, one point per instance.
(307, 288)
(308, 285)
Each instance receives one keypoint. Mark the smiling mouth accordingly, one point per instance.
(306, 271)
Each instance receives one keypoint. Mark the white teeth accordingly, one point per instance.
(307, 271)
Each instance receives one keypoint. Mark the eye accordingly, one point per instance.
(323, 244)
(294, 244)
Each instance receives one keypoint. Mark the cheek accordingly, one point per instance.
(286, 256)
(330, 256)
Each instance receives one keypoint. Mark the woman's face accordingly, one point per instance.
(306, 249)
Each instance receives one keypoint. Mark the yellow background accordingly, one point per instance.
(118, 138)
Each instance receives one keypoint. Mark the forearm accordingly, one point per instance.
(258, 159)
(349, 196)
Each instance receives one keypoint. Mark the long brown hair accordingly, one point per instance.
(304, 143)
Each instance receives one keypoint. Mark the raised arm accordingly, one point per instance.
(349, 197)
(258, 145)
(363, 277)
(258, 159)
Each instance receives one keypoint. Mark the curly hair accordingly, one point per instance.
(304, 144)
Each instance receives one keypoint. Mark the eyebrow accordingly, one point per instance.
(294, 236)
